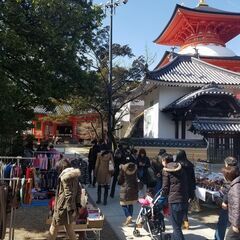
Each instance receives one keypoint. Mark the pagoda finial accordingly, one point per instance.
(202, 3)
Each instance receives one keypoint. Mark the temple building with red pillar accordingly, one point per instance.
(193, 93)
(63, 125)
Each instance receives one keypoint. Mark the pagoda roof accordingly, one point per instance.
(165, 59)
(215, 125)
(185, 20)
(191, 71)
(206, 8)
(58, 110)
(209, 90)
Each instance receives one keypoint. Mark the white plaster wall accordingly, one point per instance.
(151, 114)
(124, 113)
(212, 50)
(151, 121)
(169, 94)
(166, 96)
(166, 126)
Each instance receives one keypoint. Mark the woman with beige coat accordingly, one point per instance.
(103, 173)
(68, 199)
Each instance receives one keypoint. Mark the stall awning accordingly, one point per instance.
(211, 125)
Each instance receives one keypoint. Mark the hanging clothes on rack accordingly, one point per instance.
(82, 165)
(43, 161)
(3, 211)
(9, 202)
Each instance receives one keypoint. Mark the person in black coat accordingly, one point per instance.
(119, 158)
(92, 158)
(188, 168)
(143, 163)
(157, 168)
(175, 187)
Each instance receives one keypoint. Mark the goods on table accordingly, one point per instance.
(210, 180)
(209, 183)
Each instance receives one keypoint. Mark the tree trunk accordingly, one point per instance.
(94, 129)
(101, 120)
(102, 125)
(114, 142)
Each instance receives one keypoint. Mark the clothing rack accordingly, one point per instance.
(47, 152)
(19, 157)
(13, 211)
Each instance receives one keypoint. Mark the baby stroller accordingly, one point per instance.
(151, 217)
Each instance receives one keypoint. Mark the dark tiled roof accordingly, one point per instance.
(234, 58)
(160, 142)
(188, 99)
(215, 125)
(57, 110)
(184, 69)
(219, 58)
(206, 8)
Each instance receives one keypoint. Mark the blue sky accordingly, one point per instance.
(139, 22)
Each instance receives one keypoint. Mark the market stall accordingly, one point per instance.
(93, 223)
(209, 183)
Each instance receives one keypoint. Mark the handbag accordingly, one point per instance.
(111, 166)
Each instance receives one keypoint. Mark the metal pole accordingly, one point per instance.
(110, 78)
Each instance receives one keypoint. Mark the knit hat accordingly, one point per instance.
(230, 161)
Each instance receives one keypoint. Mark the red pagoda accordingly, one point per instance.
(203, 30)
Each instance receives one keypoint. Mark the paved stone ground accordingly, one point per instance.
(31, 225)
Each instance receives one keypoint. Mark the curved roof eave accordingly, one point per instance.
(198, 10)
(173, 15)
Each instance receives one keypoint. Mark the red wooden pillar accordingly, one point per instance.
(74, 128)
(34, 128)
(54, 129)
(43, 126)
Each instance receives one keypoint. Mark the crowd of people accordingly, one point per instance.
(173, 175)
(137, 176)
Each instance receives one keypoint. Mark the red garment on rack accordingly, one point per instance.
(28, 186)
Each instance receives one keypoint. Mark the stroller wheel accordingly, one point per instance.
(167, 237)
(136, 233)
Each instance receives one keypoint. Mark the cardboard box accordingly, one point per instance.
(95, 218)
(96, 223)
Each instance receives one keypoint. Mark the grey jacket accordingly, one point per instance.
(234, 202)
